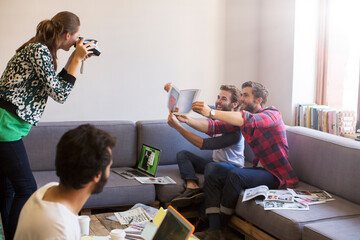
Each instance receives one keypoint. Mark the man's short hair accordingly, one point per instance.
(258, 90)
(235, 94)
(81, 154)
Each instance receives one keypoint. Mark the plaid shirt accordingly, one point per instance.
(265, 132)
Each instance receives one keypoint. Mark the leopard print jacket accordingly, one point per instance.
(30, 78)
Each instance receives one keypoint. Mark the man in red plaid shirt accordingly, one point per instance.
(264, 131)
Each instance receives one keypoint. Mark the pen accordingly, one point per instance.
(137, 226)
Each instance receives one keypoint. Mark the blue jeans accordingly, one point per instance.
(17, 183)
(190, 164)
(224, 183)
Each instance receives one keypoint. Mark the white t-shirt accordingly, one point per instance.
(233, 154)
(40, 220)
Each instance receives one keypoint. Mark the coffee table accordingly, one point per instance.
(100, 226)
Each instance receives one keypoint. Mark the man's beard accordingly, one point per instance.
(250, 107)
(224, 107)
(100, 185)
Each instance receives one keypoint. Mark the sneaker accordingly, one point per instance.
(188, 197)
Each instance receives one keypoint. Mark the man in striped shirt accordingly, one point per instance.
(264, 130)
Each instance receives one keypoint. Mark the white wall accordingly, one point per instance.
(260, 47)
(277, 53)
(144, 43)
(241, 41)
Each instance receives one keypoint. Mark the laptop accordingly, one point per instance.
(147, 165)
(173, 227)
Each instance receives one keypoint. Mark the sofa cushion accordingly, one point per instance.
(340, 229)
(323, 159)
(159, 134)
(165, 193)
(118, 191)
(288, 224)
(41, 142)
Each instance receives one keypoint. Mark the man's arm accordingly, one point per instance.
(191, 137)
(233, 118)
(222, 141)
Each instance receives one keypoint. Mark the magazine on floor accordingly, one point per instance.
(310, 197)
(269, 194)
(156, 180)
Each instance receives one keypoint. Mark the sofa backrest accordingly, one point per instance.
(159, 134)
(326, 161)
(41, 142)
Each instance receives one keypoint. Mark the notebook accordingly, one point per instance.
(173, 227)
(147, 165)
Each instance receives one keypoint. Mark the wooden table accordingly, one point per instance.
(100, 226)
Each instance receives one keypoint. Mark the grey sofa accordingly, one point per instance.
(321, 161)
(41, 147)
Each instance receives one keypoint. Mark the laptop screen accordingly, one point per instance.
(174, 227)
(149, 159)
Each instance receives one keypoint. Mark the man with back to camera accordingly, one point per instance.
(228, 149)
(265, 132)
(83, 160)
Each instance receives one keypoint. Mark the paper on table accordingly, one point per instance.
(159, 217)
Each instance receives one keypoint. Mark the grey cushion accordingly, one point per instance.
(165, 193)
(118, 191)
(41, 142)
(340, 229)
(288, 224)
(323, 160)
(159, 134)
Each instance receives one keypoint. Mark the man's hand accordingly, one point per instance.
(201, 108)
(172, 121)
(182, 118)
(167, 87)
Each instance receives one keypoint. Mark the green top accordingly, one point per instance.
(12, 128)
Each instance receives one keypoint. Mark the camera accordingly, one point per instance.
(96, 51)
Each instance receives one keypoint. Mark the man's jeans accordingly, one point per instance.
(17, 183)
(224, 183)
(190, 164)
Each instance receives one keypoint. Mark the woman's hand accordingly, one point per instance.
(82, 51)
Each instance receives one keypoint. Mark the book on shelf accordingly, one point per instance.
(310, 197)
(302, 113)
(346, 122)
(269, 194)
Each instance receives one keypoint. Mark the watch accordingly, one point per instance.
(212, 113)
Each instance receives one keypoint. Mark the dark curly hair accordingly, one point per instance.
(258, 90)
(81, 154)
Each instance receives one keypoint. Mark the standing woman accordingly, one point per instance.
(25, 85)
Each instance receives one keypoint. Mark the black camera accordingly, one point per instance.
(96, 51)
